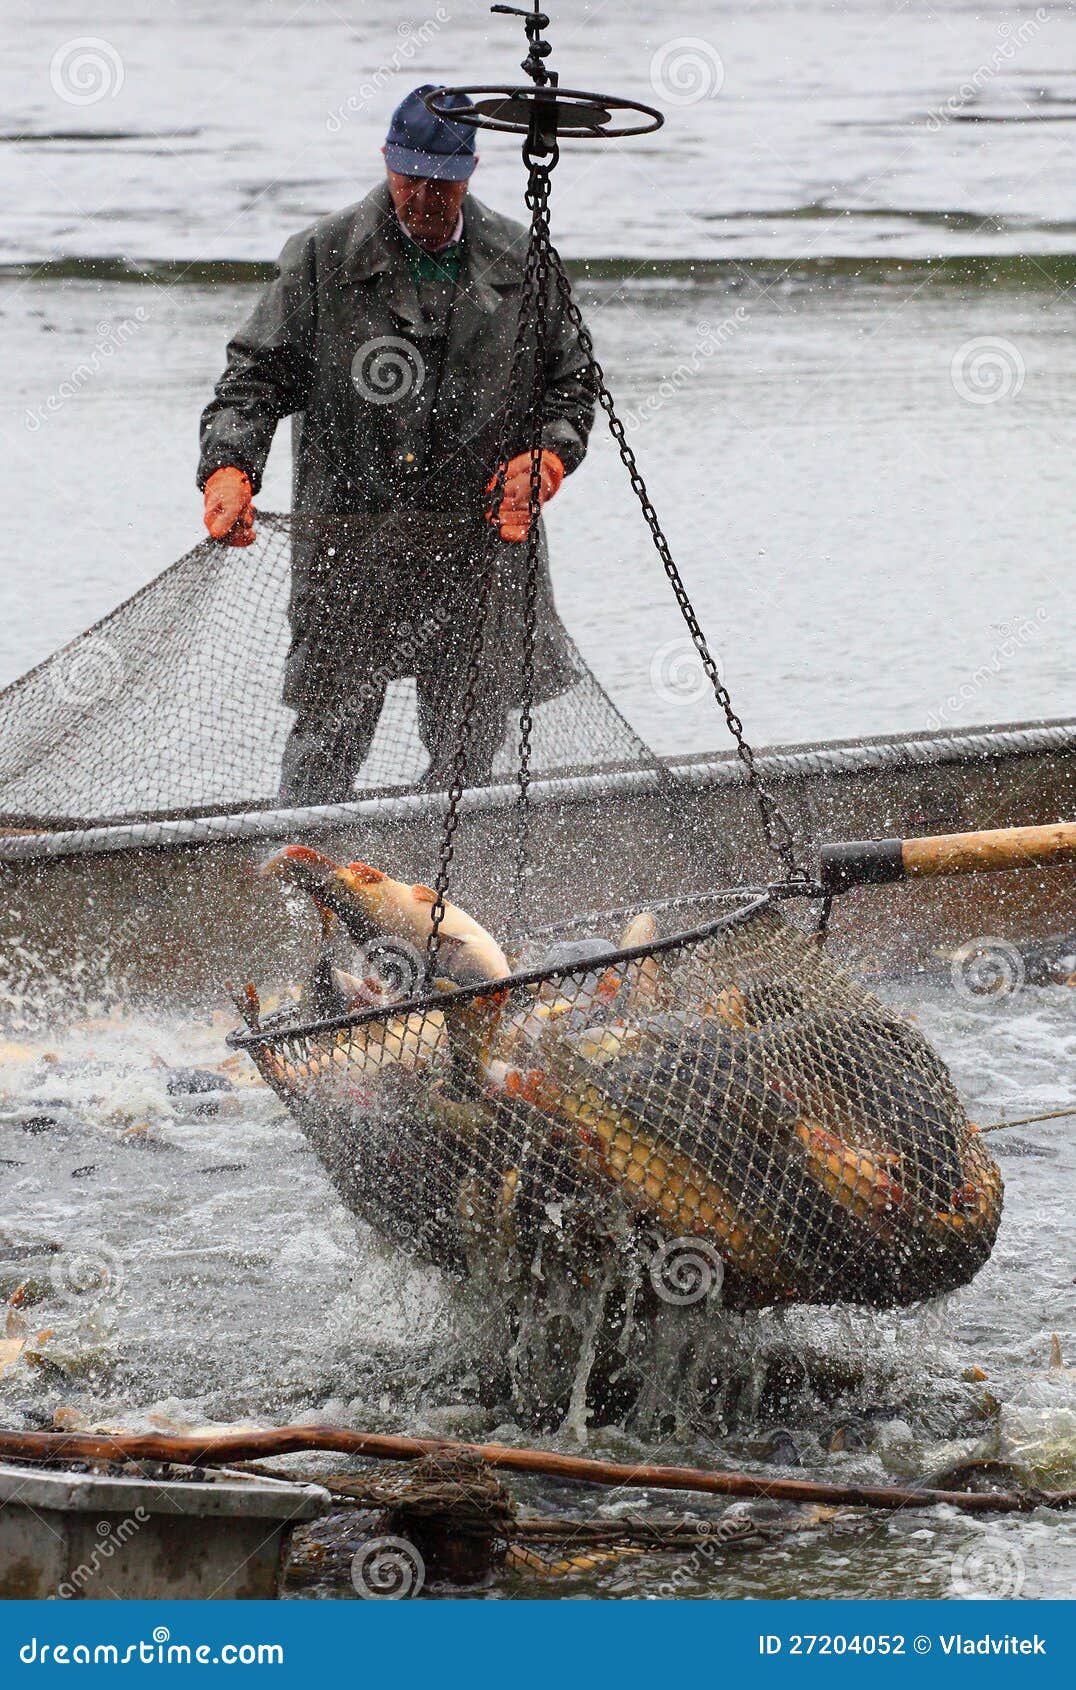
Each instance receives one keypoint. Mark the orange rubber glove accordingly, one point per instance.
(514, 513)
(229, 513)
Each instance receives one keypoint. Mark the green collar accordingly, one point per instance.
(443, 266)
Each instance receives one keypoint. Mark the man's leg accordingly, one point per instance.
(324, 753)
(439, 711)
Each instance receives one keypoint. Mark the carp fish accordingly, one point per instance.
(371, 905)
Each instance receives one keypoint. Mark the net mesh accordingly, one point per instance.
(172, 705)
(724, 1101)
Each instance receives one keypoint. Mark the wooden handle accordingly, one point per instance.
(1001, 848)
(882, 861)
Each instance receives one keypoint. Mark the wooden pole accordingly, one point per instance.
(875, 862)
(227, 1447)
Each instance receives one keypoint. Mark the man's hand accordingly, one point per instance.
(514, 514)
(229, 513)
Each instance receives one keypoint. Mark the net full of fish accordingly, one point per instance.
(720, 1084)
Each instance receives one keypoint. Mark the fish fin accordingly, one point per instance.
(425, 894)
(249, 1006)
(14, 1324)
(1056, 1358)
(366, 875)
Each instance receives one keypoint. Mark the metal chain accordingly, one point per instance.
(777, 830)
(542, 260)
(451, 824)
(469, 698)
(538, 201)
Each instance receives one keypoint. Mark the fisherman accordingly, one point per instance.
(387, 335)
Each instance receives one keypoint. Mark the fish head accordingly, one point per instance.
(299, 865)
(336, 890)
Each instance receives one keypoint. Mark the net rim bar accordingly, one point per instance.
(750, 902)
(836, 758)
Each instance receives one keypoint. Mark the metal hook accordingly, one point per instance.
(538, 49)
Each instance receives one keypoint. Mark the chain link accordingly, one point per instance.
(533, 286)
(543, 261)
(540, 244)
(778, 832)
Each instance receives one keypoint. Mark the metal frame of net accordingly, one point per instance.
(721, 1101)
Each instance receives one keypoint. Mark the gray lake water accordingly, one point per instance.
(834, 297)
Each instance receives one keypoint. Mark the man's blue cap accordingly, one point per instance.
(420, 144)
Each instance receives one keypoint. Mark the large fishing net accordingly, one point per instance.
(721, 1106)
(172, 704)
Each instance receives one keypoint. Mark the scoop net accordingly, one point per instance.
(722, 1105)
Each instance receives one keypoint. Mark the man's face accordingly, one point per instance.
(427, 207)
